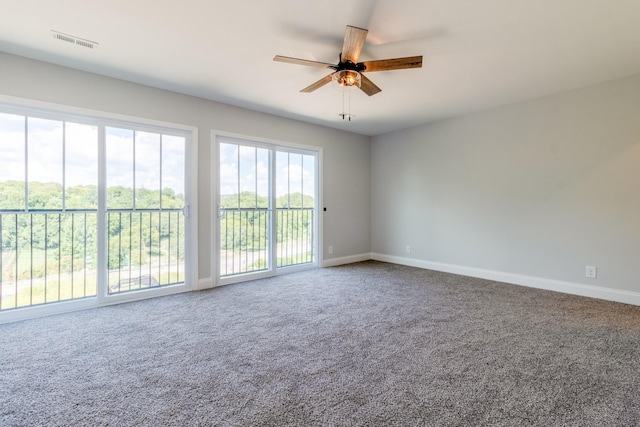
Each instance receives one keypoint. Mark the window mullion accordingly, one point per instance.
(101, 278)
(26, 163)
(273, 212)
(64, 165)
(135, 134)
(161, 159)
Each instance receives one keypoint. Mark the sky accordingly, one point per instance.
(246, 168)
(46, 159)
(140, 156)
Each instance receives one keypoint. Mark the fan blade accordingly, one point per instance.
(323, 81)
(302, 62)
(353, 43)
(393, 64)
(367, 86)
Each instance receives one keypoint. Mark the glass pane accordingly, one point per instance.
(81, 166)
(146, 247)
(308, 181)
(295, 180)
(173, 164)
(229, 183)
(45, 162)
(248, 177)
(51, 255)
(119, 162)
(147, 166)
(12, 163)
(295, 208)
(254, 177)
(262, 168)
(282, 178)
(244, 220)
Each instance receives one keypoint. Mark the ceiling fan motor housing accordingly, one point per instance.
(349, 65)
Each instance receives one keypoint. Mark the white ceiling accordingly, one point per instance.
(477, 53)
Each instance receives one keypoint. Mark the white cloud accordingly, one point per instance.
(44, 150)
(295, 174)
(81, 156)
(147, 159)
(119, 164)
(173, 163)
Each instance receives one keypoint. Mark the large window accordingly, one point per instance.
(88, 209)
(48, 210)
(268, 204)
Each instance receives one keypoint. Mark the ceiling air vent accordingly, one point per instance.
(74, 40)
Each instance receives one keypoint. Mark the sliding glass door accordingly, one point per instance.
(267, 209)
(48, 210)
(244, 209)
(145, 180)
(89, 209)
(295, 209)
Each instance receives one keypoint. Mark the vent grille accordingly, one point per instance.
(74, 40)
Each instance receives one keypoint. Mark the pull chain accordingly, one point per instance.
(346, 113)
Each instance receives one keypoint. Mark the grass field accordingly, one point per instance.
(34, 287)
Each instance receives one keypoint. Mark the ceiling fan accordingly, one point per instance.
(349, 72)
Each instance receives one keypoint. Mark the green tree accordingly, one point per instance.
(72, 236)
(244, 220)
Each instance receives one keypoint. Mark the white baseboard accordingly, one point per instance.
(591, 291)
(346, 260)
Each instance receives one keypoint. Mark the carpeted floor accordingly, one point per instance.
(371, 344)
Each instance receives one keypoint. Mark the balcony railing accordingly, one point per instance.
(244, 238)
(145, 249)
(294, 236)
(48, 257)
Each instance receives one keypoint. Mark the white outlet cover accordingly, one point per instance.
(591, 272)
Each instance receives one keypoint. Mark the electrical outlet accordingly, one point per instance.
(408, 249)
(330, 250)
(591, 272)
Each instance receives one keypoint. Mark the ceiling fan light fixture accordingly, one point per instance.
(347, 78)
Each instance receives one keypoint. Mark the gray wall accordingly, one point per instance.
(541, 188)
(346, 187)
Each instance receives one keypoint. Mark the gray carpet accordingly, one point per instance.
(366, 344)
